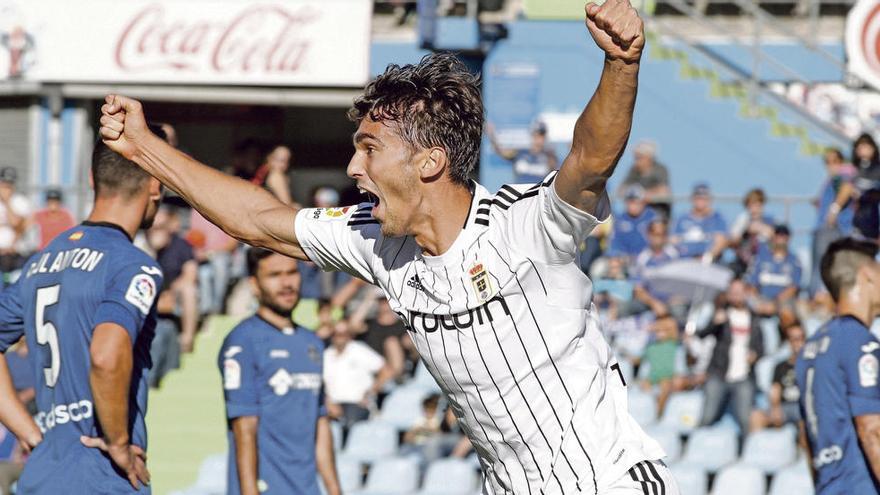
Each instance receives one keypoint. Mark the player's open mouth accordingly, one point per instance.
(372, 198)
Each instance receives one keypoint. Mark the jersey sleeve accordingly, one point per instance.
(541, 224)
(130, 297)
(11, 316)
(859, 357)
(239, 369)
(339, 239)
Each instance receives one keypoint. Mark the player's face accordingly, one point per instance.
(796, 339)
(277, 284)
(701, 203)
(635, 207)
(279, 159)
(383, 166)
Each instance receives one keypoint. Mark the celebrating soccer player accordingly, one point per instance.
(272, 375)
(488, 284)
(837, 372)
(85, 306)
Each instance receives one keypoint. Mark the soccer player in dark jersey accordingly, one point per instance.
(837, 373)
(85, 307)
(279, 433)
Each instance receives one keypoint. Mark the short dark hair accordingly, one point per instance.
(254, 256)
(114, 174)
(841, 262)
(434, 103)
(836, 152)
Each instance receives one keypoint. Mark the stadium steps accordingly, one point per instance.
(185, 418)
(734, 91)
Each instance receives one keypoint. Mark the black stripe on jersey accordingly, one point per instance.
(648, 481)
(393, 260)
(483, 211)
(657, 476)
(632, 474)
(482, 221)
(559, 375)
(496, 202)
(538, 274)
(540, 384)
(503, 195)
(513, 192)
(354, 223)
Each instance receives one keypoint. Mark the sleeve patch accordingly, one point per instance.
(231, 374)
(141, 292)
(868, 369)
(330, 214)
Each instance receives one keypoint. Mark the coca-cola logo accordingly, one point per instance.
(869, 41)
(267, 39)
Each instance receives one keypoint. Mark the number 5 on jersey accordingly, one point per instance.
(47, 334)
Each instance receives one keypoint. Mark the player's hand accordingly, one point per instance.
(617, 28)
(31, 441)
(123, 125)
(186, 343)
(131, 459)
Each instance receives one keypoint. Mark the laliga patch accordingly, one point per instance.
(481, 283)
(330, 214)
(141, 292)
(868, 369)
(231, 374)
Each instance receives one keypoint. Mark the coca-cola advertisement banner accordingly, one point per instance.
(863, 41)
(235, 42)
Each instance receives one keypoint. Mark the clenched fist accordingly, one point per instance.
(123, 126)
(617, 28)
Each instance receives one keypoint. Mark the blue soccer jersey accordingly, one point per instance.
(837, 374)
(89, 275)
(771, 275)
(630, 234)
(697, 233)
(276, 375)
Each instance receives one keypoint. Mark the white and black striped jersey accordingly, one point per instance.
(503, 321)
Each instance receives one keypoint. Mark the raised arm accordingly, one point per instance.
(243, 210)
(602, 130)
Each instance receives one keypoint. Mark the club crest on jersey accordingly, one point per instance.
(76, 236)
(331, 213)
(481, 283)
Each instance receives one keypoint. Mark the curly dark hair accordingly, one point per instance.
(434, 103)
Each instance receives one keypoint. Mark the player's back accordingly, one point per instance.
(837, 375)
(88, 275)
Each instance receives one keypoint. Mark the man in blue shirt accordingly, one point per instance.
(775, 273)
(701, 233)
(657, 254)
(530, 164)
(279, 433)
(837, 373)
(86, 307)
(630, 229)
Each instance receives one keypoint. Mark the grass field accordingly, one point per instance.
(185, 418)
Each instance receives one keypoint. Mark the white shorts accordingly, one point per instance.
(645, 478)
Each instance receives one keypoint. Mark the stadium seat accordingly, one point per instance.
(711, 448)
(423, 379)
(770, 450)
(349, 473)
(403, 407)
(683, 411)
(392, 476)
(691, 479)
(669, 439)
(764, 372)
(642, 406)
(739, 479)
(369, 441)
(770, 332)
(449, 477)
(793, 479)
(336, 431)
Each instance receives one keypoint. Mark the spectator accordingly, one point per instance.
(177, 306)
(775, 274)
(14, 212)
(354, 375)
(325, 197)
(663, 361)
(53, 219)
(701, 232)
(784, 393)
(214, 254)
(533, 163)
(653, 176)
(864, 190)
(383, 332)
(435, 435)
(272, 174)
(834, 219)
(630, 229)
(739, 344)
(658, 253)
(750, 230)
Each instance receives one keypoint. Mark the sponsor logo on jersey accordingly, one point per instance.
(868, 369)
(279, 354)
(282, 382)
(481, 283)
(430, 322)
(415, 283)
(262, 486)
(231, 374)
(330, 213)
(64, 413)
(151, 270)
(76, 236)
(141, 292)
(828, 455)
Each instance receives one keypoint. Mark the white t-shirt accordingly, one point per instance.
(349, 375)
(740, 322)
(503, 321)
(21, 207)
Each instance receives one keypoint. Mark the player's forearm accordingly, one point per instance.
(600, 136)
(110, 379)
(236, 206)
(13, 413)
(244, 431)
(868, 429)
(325, 458)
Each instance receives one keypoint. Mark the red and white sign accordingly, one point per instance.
(863, 41)
(241, 42)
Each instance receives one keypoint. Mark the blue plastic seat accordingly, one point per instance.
(369, 441)
(403, 407)
(739, 479)
(669, 439)
(349, 473)
(770, 450)
(449, 477)
(642, 407)
(683, 411)
(793, 479)
(394, 476)
(691, 479)
(711, 448)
